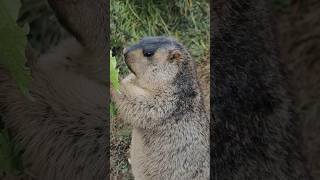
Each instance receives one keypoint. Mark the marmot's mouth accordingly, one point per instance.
(130, 69)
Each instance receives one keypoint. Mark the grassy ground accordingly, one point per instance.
(134, 19)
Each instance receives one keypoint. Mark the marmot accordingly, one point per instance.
(255, 134)
(63, 130)
(161, 99)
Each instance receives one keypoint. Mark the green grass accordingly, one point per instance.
(186, 20)
(12, 57)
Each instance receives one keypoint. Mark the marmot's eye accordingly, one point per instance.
(148, 53)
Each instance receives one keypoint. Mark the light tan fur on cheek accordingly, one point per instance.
(161, 56)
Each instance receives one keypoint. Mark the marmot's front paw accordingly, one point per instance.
(128, 79)
(114, 95)
(130, 87)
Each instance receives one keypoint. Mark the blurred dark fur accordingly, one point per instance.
(255, 134)
(63, 129)
(299, 41)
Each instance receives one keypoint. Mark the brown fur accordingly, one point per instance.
(299, 39)
(163, 103)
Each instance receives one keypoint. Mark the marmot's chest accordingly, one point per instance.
(154, 153)
(137, 154)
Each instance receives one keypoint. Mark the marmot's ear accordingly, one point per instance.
(86, 20)
(175, 55)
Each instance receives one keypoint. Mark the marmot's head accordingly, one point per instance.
(158, 62)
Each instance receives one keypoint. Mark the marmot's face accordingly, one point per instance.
(154, 61)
